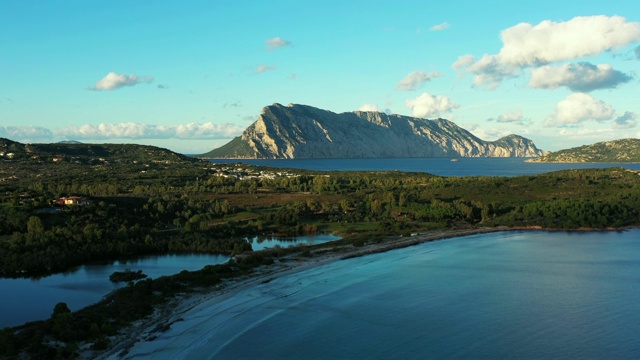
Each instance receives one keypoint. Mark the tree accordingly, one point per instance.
(35, 226)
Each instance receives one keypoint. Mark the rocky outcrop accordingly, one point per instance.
(300, 131)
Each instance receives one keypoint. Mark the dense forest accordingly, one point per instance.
(144, 208)
(58, 214)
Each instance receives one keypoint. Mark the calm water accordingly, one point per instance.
(265, 243)
(437, 166)
(511, 295)
(24, 300)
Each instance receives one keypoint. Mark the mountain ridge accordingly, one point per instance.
(302, 131)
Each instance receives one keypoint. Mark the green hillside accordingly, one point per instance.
(617, 151)
(86, 153)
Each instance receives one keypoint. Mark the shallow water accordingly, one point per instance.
(501, 295)
(30, 299)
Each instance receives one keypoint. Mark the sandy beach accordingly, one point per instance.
(145, 337)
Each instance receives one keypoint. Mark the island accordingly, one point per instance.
(304, 132)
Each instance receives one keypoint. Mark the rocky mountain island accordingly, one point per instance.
(300, 131)
(617, 151)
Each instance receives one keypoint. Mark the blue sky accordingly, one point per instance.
(191, 75)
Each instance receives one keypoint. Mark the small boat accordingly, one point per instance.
(454, 160)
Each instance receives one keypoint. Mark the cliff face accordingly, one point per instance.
(299, 131)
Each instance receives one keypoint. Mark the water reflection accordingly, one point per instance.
(261, 243)
(33, 299)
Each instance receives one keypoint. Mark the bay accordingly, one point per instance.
(509, 295)
(436, 166)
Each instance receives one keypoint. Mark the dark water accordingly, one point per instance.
(511, 295)
(24, 300)
(436, 166)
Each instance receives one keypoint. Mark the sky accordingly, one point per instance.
(191, 75)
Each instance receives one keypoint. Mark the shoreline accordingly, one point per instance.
(164, 316)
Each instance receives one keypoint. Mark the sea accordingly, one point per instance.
(436, 166)
(506, 295)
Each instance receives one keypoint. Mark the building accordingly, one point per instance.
(73, 200)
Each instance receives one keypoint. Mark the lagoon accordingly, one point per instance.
(261, 243)
(30, 299)
(516, 295)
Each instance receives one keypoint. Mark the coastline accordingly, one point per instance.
(143, 332)
(166, 315)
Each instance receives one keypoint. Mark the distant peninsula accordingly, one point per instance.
(79, 153)
(617, 151)
(301, 131)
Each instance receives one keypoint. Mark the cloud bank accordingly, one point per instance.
(30, 133)
(115, 81)
(416, 79)
(526, 45)
(427, 105)
(131, 130)
(581, 77)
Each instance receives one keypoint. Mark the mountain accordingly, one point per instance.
(87, 153)
(300, 131)
(617, 151)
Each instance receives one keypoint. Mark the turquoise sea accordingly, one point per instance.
(508, 295)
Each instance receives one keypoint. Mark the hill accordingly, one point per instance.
(300, 131)
(86, 153)
(617, 151)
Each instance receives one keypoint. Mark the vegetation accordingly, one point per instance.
(618, 151)
(127, 276)
(149, 201)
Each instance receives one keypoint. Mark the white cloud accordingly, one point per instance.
(525, 45)
(275, 43)
(131, 130)
(626, 121)
(427, 105)
(488, 134)
(415, 79)
(369, 107)
(115, 81)
(581, 77)
(25, 133)
(577, 108)
(513, 117)
(262, 68)
(439, 27)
